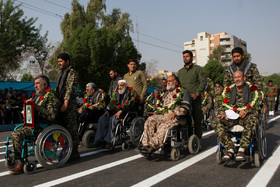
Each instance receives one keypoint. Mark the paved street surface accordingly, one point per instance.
(129, 168)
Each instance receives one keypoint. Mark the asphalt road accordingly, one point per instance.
(129, 168)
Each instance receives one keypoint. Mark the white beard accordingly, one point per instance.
(169, 88)
(121, 91)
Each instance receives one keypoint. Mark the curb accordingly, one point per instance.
(10, 127)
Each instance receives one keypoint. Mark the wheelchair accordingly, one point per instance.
(208, 119)
(258, 147)
(129, 130)
(176, 139)
(50, 144)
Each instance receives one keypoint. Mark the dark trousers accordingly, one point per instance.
(197, 117)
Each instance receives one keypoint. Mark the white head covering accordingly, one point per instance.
(123, 81)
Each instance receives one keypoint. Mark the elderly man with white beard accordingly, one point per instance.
(122, 101)
(165, 115)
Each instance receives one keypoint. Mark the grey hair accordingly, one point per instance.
(44, 79)
(91, 85)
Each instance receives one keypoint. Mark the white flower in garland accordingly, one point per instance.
(149, 106)
(226, 94)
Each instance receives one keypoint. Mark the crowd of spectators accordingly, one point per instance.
(11, 105)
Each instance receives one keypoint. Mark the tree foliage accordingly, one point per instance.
(27, 77)
(217, 54)
(17, 35)
(215, 71)
(97, 42)
(275, 77)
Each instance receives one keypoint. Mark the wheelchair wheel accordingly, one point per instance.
(10, 163)
(194, 144)
(136, 130)
(175, 154)
(257, 160)
(125, 146)
(88, 138)
(53, 147)
(219, 157)
(261, 141)
(29, 168)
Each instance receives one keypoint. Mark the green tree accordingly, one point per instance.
(215, 71)
(153, 83)
(97, 42)
(275, 77)
(27, 77)
(217, 54)
(17, 35)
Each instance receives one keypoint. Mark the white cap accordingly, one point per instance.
(123, 81)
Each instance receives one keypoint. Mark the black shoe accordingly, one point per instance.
(99, 145)
(109, 146)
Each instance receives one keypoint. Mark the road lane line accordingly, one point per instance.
(273, 119)
(5, 146)
(267, 171)
(90, 171)
(207, 133)
(175, 169)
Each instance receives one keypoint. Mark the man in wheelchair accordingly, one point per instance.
(238, 106)
(46, 107)
(122, 101)
(164, 117)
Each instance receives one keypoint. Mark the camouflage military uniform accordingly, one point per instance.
(217, 93)
(65, 90)
(249, 123)
(207, 101)
(249, 69)
(271, 93)
(46, 113)
(156, 126)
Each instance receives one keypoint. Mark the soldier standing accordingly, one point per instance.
(65, 90)
(193, 79)
(114, 82)
(249, 69)
(271, 93)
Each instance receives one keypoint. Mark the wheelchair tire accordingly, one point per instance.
(125, 146)
(257, 160)
(261, 141)
(194, 144)
(53, 146)
(88, 138)
(175, 154)
(10, 163)
(29, 168)
(136, 129)
(219, 157)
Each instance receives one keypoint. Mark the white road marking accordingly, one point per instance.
(175, 169)
(88, 172)
(5, 146)
(207, 133)
(267, 171)
(273, 119)
(5, 142)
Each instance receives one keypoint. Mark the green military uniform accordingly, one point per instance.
(46, 112)
(271, 93)
(65, 90)
(217, 92)
(137, 80)
(249, 123)
(193, 80)
(250, 71)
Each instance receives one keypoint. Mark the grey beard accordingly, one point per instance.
(121, 91)
(169, 88)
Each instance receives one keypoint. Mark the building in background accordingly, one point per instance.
(162, 74)
(203, 45)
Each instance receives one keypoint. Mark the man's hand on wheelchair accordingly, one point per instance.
(243, 113)
(222, 116)
(117, 115)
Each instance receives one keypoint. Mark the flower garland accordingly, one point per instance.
(226, 94)
(149, 106)
(176, 101)
(127, 103)
(221, 89)
(47, 97)
(204, 99)
(100, 102)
